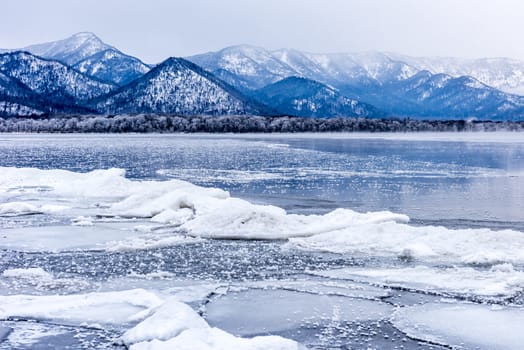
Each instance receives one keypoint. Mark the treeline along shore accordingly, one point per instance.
(143, 123)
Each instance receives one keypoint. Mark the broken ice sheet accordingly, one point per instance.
(498, 281)
(463, 325)
(256, 311)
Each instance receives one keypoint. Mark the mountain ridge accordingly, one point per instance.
(83, 71)
(177, 86)
(308, 98)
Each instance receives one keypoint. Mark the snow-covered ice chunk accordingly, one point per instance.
(24, 208)
(31, 273)
(150, 241)
(216, 339)
(174, 325)
(114, 308)
(463, 326)
(167, 321)
(393, 239)
(236, 218)
(62, 238)
(211, 213)
(499, 281)
(247, 312)
(18, 208)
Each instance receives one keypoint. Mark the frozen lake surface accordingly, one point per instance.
(330, 241)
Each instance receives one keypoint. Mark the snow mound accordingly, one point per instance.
(166, 322)
(216, 339)
(174, 325)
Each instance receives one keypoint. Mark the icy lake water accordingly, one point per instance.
(331, 241)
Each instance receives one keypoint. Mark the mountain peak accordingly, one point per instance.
(177, 86)
(86, 35)
(70, 50)
(113, 66)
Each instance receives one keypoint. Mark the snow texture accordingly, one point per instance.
(211, 213)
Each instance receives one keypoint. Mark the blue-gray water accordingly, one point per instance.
(453, 183)
(450, 180)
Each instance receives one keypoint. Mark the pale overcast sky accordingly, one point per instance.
(156, 29)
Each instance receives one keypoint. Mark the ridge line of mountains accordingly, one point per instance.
(84, 75)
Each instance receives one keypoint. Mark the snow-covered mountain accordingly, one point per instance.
(57, 81)
(70, 74)
(177, 86)
(17, 99)
(90, 55)
(113, 66)
(442, 96)
(70, 50)
(308, 98)
(260, 67)
(380, 79)
(256, 67)
(501, 73)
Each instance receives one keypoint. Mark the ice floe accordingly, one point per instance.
(463, 326)
(498, 281)
(92, 309)
(246, 313)
(393, 239)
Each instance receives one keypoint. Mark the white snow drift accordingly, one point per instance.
(211, 213)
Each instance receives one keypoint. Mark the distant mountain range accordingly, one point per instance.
(82, 74)
(308, 98)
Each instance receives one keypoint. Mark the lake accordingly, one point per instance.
(340, 241)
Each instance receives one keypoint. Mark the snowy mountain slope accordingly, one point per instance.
(113, 66)
(177, 86)
(55, 80)
(70, 50)
(12, 87)
(261, 67)
(17, 98)
(502, 73)
(308, 98)
(382, 80)
(443, 96)
(14, 98)
(256, 66)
